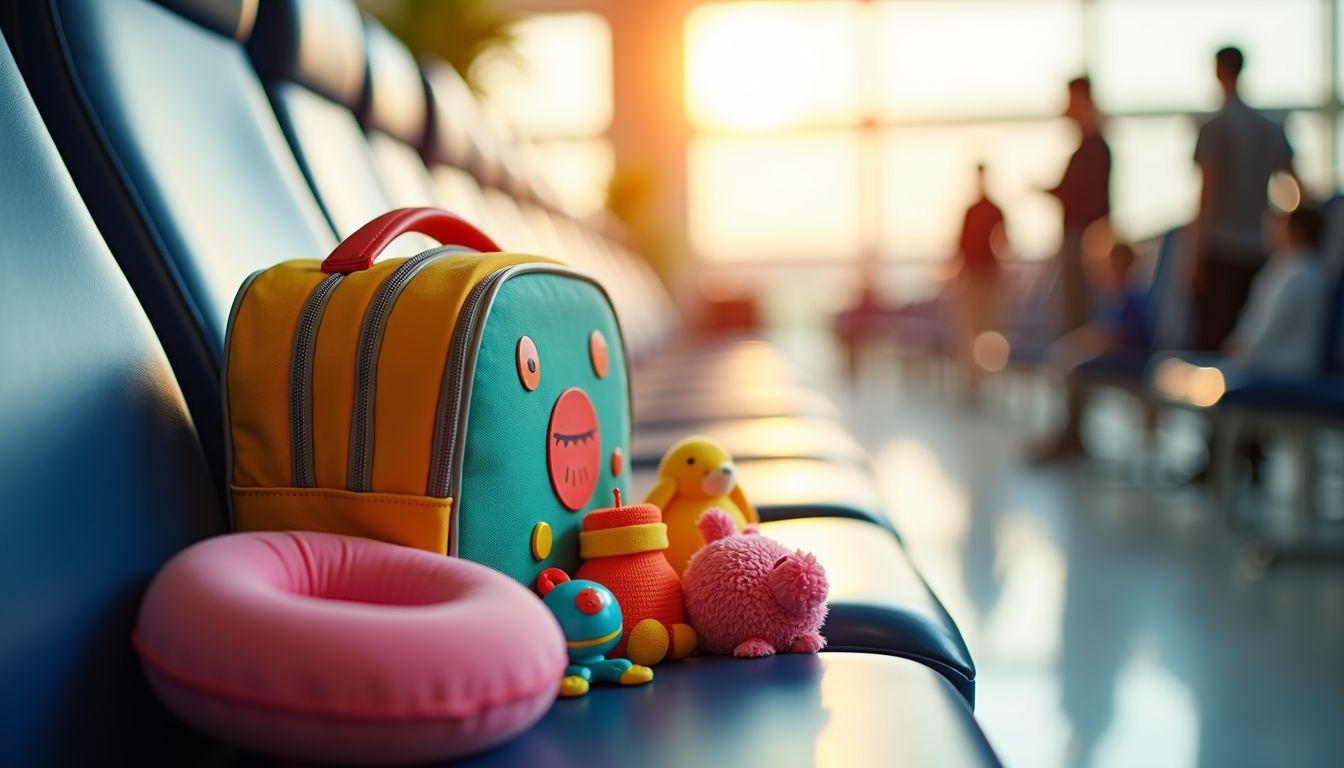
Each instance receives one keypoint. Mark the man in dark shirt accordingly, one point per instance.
(1237, 151)
(1084, 193)
(976, 265)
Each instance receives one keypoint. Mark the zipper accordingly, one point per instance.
(224, 391)
(454, 388)
(360, 474)
(301, 380)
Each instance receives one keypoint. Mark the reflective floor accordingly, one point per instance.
(1113, 622)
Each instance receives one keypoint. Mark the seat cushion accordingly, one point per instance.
(879, 603)
(404, 175)
(1319, 396)
(1126, 368)
(764, 401)
(699, 361)
(1204, 380)
(782, 489)
(182, 164)
(780, 437)
(459, 137)
(312, 58)
(396, 119)
(100, 471)
(227, 17)
(192, 94)
(827, 709)
(394, 94)
(334, 155)
(316, 43)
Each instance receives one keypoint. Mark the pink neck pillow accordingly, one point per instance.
(341, 649)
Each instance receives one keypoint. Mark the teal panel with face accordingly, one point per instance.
(541, 455)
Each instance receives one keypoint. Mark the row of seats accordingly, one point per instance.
(209, 138)
(1255, 402)
(1244, 401)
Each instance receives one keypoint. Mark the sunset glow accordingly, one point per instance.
(764, 66)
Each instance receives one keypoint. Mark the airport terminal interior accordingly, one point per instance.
(1018, 324)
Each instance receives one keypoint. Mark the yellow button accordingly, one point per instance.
(541, 541)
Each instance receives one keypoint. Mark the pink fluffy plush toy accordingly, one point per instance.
(750, 596)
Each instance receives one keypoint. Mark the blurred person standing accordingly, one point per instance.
(1237, 152)
(976, 269)
(1084, 193)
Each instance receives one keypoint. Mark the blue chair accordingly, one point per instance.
(1167, 314)
(193, 179)
(1239, 400)
(101, 472)
(1030, 321)
(104, 478)
(1302, 406)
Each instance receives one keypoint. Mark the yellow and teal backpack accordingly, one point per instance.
(463, 401)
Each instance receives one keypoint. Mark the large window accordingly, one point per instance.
(1159, 55)
(975, 58)
(928, 178)
(790, 196)
(825, 130)
(556, 89)
(771, 66)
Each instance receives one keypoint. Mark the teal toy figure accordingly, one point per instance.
(591, 620)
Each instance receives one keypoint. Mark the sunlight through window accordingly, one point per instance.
(951, 83)
(763, 66)
(556, 89)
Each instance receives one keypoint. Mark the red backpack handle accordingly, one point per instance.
(358, 251)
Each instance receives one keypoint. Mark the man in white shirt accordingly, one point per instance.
(1280, 330)
(1237, 152)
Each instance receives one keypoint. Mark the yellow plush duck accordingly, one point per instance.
(694, 475)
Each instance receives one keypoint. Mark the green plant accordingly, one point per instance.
(459, 31)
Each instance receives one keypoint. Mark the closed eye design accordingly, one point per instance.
(563, 439)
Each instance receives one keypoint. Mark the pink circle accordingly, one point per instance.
(336, 648)
(573, 448)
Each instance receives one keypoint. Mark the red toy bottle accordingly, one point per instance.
(622, 548)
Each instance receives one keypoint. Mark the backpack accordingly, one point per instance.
(463, 401)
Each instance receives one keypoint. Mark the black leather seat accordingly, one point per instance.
(762, 402)
(750, 439)
(784, 489)
(845, 709)
(141, 120)
(181, 162)
(105, 384)
(878, 601)
(792, 467)
(100, 470)
(396, 118)
(458, 153)
(311, 57)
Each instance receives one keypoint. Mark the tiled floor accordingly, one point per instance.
(1113, 624)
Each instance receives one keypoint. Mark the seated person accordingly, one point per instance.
(1279, 330)
(1119, 325)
